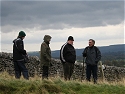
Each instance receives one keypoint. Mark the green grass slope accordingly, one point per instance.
(10, 85)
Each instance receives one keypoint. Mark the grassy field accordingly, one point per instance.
(9, 85)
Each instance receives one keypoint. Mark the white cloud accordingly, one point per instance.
(106, 35)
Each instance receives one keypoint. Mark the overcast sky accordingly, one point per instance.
(100, 20)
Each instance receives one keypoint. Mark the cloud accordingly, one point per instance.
(103, 35)
(16, 15)
(100, 20)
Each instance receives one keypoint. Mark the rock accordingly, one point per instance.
(111, 73)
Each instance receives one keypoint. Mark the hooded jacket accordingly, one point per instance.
(92, 54)
(18, 50)
(45, 52)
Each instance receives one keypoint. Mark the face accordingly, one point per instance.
(70, 42)
(23, 37)
(49, 40)
(91, 43)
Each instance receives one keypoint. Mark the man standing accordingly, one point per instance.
(68, 58)
(45, 56)
(18, 58)
(93, 55)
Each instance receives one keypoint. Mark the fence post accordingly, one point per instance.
(102, 72)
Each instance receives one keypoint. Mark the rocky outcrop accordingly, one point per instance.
(111, 73)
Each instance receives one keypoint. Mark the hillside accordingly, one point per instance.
(104, 49)
(110, 51)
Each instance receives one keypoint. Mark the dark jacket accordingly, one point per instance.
(45, 52)
(18, 50)
(92, 54)
(67, 53)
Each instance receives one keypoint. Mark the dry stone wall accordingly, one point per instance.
(111, 73)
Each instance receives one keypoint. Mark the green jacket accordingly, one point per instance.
(45, 52)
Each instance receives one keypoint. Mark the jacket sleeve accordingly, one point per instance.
(84, 52)
(64, 53)
(98, 58)
(43, 52)
(61, 55)
(20, 47)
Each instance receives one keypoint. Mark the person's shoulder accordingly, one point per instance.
(64, 45)
(44, 44)
(96, 47)
(18, 40)
(68, 45)
(86, 47)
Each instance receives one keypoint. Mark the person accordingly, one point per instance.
(45, 56)
(92, 56)
(68, 58)
(18, 56)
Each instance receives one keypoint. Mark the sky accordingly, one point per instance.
(101, 20)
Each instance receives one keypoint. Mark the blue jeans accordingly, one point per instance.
(19, 67)
(91, 69)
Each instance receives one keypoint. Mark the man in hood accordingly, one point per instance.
(45, 56)
(18, 58)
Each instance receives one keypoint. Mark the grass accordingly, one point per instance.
(10, 85)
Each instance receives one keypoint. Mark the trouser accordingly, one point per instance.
(68, 70)
(45, 73)
(91, 69)
(19, 67)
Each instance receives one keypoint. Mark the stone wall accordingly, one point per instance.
(111, 73)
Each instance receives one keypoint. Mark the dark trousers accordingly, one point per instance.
(19, 67)
(91, 69)
(68, 70)
(45, 73)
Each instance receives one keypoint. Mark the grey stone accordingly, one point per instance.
(111, 73)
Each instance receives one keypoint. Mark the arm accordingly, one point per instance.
(43, 52)
(63, 53)
(84, 52)
(98, 55)
(20, 47)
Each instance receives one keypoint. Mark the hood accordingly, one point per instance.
(47, 38)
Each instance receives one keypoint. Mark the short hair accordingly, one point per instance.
(92, 40)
